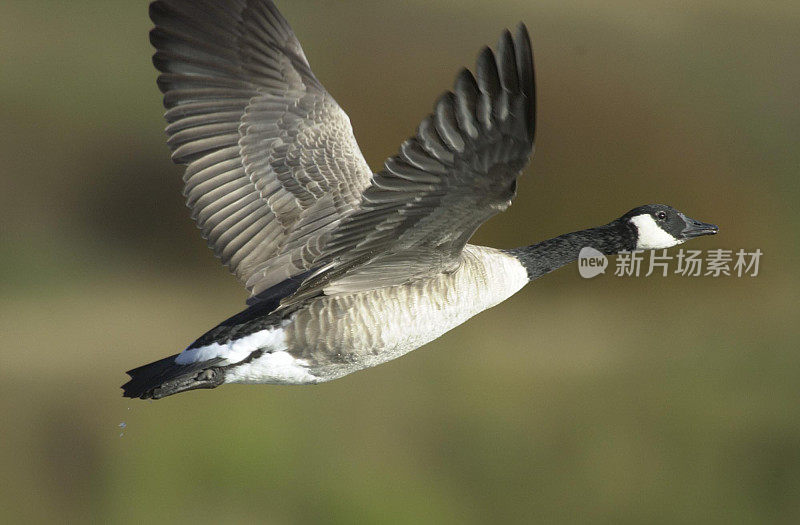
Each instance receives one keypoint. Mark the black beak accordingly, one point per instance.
(696, 228)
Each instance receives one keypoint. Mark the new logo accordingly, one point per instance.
(591, 262)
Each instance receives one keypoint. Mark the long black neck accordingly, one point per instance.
(546, 256)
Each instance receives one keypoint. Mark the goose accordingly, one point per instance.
(346, 268)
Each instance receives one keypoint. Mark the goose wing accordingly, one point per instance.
(272, 163)
(460, 169)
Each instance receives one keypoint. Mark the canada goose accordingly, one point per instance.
(347, 269)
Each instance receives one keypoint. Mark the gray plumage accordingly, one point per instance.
(346, 269)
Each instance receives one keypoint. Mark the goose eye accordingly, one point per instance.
(661, 215)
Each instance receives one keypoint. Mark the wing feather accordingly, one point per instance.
(457, 171)
(271, 161)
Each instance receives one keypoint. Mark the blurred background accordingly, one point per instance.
(638, 400)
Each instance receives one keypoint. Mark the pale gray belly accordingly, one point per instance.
(341, 334)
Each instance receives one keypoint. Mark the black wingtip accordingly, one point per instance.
(157, 11)
(527, 73)
(507, 63)
(522, 31)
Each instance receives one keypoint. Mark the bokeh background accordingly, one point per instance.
(649, 400)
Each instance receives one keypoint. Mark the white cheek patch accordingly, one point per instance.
(651, 236)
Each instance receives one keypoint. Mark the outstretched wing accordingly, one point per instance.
(272, 163)
(460, 169)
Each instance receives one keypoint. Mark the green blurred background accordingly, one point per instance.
(649, 400)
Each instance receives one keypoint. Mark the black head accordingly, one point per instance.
(660, 226)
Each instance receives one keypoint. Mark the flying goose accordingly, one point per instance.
(346, 269)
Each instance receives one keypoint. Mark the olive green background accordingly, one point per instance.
(638, 400)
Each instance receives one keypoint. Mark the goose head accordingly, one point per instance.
(658, 226)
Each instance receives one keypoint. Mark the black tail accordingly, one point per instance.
(164, 377)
